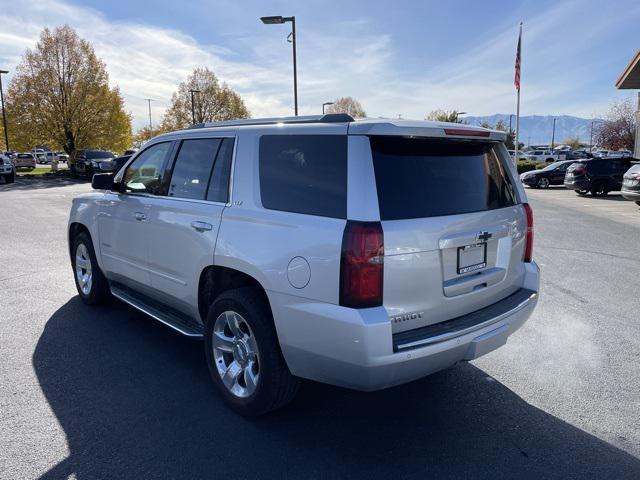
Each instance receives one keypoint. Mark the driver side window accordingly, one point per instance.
(144, 175)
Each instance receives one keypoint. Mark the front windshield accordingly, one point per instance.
(553, 166)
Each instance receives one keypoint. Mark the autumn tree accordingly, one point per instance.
(145, 134)
(348, 105)
(619, 127)
(60, 96)
(212, 102)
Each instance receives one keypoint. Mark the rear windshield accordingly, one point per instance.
(419, 178)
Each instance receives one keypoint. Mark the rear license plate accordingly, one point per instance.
(472, 257)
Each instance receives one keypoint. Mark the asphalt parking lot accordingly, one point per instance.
(109, 393)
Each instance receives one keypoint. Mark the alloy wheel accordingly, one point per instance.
(235, 353)
(83, 269)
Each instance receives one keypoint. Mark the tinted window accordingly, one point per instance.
(145, 173)
(219, 184)
(98, 154)
(304, 174)
(418, 178)
(192, 170)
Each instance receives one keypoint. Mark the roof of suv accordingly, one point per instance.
(365, 126)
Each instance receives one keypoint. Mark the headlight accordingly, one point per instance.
(106, 165)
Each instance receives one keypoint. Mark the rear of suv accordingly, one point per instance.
(599, 176)
(362, 253)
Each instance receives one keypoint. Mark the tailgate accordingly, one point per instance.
(454, 232)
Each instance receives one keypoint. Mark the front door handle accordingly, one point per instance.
(201, 226)
(140, 216)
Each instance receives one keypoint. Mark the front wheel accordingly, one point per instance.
(243, 354)
(10, 178)
(91, 284)
(582, 193)
(543, 183)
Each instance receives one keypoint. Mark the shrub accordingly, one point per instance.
(527, 166)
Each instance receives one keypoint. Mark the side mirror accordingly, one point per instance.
(102, 181)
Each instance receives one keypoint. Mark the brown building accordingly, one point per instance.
(630, 80)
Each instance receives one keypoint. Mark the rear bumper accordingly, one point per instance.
(579, 184)
(356, 349)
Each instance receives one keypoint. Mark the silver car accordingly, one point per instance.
(362, 253)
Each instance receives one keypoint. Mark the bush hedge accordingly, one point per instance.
(528, 165)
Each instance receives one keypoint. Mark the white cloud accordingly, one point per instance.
(346, 58)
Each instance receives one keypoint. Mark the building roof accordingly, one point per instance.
(630, 77)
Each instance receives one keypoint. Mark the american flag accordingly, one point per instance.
(516, 80)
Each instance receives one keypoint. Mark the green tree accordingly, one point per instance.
(573, 142)
(60, 97)
(145, 134)
(445, 116)
(212, 102)
(348, 105)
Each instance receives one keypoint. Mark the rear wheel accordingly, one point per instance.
(543, 183)
(243, 354)
(638, 202)
(91, 284)
(582, 192)
(599, 189)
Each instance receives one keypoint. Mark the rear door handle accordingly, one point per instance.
(201, 226)
(140, 216)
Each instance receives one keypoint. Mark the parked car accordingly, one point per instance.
(541, 156)
(86, 162)
(47, 157)
(631, 184)
(62, 157)
(130, 151)
(7, 170)
(597, 175)
(24, 160)
(280, 266)
(112, 165)
(39, 155)
(552, 174)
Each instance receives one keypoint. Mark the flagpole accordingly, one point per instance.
(517, 145)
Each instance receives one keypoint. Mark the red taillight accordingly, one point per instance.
(467, 132)
(528, 249)
(362, 265)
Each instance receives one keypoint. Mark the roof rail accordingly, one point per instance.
(327, 118)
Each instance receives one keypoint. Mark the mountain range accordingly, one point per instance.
(537, 129)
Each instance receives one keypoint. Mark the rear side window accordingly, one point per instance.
(219, 184)
(304, 174)
(418, 178)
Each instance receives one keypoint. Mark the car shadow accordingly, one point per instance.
(46, 180)
(135, 401)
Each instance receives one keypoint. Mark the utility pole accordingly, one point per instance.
(591, 137)
(553, 135)
(193, 110)
(149, 100)
(4, 114)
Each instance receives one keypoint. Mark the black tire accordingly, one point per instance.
(276, 386)
(98, 291)
(543, 183)
(599, 189)
(10, 178)
(638, 202)
(582, 193)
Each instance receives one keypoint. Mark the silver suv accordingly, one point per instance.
(360, 253)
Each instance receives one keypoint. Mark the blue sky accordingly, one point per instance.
(402, 57)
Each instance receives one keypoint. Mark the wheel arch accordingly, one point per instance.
(217, 279)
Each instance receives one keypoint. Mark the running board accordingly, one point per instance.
(170, 317)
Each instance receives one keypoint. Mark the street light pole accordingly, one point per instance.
(4, 115)
(553, 134)
(149, 101)
(193, 111)
(326, 104)
(278, 20)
